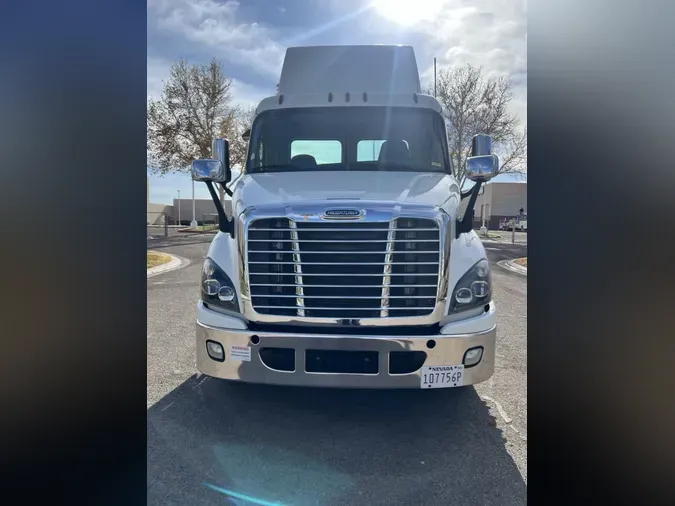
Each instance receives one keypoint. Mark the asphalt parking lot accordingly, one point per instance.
(213, 442)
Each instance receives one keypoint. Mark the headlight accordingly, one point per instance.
(216, 288)
(473, 289)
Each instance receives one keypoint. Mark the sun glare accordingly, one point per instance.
(407, 12)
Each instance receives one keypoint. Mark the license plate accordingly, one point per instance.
(442, 376)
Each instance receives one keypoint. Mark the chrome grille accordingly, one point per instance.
(343, 270)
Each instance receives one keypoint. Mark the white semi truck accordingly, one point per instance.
(345, 262)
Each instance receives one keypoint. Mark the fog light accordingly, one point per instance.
(215, 351)
(473, 356)
(226, 294)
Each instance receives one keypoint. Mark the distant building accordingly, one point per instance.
(205, 210)
(498, 201)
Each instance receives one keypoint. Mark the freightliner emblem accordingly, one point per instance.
(343, 214)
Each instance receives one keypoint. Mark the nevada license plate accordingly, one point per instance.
(442, 376)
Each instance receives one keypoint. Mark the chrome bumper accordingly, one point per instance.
(448, 350)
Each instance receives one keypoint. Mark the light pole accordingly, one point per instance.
(178, 207)
(193, 223)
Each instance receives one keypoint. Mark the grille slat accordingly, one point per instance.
(338, 263)
(293, 308)
(336, 230)
(345, 286)
(360, 241)
(378, 297)
(340, 272)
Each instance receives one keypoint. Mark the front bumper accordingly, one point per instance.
(449, 349)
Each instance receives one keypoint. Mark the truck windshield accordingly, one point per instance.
(348, 138)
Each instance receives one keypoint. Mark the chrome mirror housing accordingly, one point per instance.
(482, 165)
(216, 169)
(208, 170)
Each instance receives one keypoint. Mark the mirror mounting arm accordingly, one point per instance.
(225, 225)
(227, 190)
(465, 225)
(466, 193)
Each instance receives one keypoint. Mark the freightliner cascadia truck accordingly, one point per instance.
(348, 259)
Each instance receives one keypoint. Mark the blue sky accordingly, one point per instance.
(250, 37)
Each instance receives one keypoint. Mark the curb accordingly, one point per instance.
(513, 267)
(175, 263)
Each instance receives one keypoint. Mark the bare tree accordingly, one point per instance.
(473, 104)
(233, 127)
(195, 101)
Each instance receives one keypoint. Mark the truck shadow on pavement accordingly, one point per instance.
(215, 442)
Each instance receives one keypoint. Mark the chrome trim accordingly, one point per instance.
(386, 278)
(352, 263)
(384, 212)
(342, 275)
(358, 241)
(343, 309)
(355, 230)
(346, 286)
(449, 350)
(378, 297)
(299, 290)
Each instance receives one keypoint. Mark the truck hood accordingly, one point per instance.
(397, 187)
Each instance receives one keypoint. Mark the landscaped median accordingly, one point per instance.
(155, 259)
(159, 263)
(521, 261)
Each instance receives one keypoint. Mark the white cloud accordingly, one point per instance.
(487, 33)
(215, 25)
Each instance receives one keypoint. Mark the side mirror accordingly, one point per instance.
(208, 170)
(482, 165)
(216, 169)
(246, 135)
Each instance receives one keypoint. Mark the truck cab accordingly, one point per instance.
(345, 261)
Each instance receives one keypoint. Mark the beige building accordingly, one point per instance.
(498, 201)
(205, 210)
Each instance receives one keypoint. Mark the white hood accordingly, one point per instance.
(431, 189)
